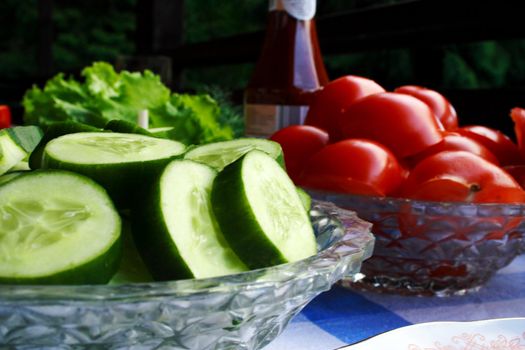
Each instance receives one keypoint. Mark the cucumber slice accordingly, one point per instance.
(20, 166)
(260, 213)
(53, 131)
(163, 133)
(15, 145)
(57, 227)
(122, 163)
(11, 153)
(175, 229)
(220, 154)
(124, 126)
(10, 176)
(26, 137)
(132, 268)
(305, 198)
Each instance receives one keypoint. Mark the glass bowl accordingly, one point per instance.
(434, 248)
(242, 311)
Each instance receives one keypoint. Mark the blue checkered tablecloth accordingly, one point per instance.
(340, 316)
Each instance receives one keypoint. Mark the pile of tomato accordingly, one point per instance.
(360, 139)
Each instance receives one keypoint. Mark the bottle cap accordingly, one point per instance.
(301, 9)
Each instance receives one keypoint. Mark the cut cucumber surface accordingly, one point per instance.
(260, 213)
(175, 229)
(122, 163)
(220, 154)
(53, 131)
(57, 227)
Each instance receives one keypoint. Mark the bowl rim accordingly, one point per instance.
(401, 200)
(356, 240)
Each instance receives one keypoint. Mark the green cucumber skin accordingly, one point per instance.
(152, 237)
(305, 198)
(53, 131)
(124, 181)
(11, 176)
(247, 239)
(98, 271)
(123, 126)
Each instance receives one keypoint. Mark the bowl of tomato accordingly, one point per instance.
(446, 201)
(434, 248)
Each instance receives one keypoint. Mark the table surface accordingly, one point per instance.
(340, 316)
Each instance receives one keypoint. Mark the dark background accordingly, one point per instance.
(471, 51)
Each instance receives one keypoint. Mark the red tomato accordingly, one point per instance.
(353, 166)
(329, 102)
(441, 107)
(452, 141)
(400, 122)
(460, 176)
(498, 143)
(5, 117)
(518, 116)
(517, 172)
(299, 143)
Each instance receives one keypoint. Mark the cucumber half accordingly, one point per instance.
(57, 227)
(260, 213)
(122, 163)
(175, 228)
(220, 154)
(53, 131)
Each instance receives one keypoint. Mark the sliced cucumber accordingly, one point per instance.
(10, 176)
(175, 229)
(11, 153)
(122, 163)
(53, 131)
(220, 154)
(20, 166)
(15, 145)
(305, 198)
(163, 133)
(260, 213)
(124, 126)
(132, 268)
(26, 136)
(57, 227)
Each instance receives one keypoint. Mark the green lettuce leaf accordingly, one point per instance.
(105, 95)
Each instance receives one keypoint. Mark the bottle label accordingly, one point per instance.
(263, 120)
(301, 9)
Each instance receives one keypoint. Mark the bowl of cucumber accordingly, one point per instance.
(204, 247)
(242, 311)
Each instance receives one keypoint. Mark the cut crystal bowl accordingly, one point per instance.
(242, 311)
(434, 248)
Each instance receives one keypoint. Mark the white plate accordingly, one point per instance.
(500, 334)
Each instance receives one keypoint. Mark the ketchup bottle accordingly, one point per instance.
(289, 69)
